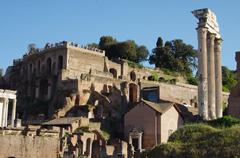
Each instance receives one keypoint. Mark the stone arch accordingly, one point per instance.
(60, 62)
(133, 76)
(49, 65)
(113, 72)
(133, 92)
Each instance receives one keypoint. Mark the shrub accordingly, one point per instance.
(202, 141)
(191, 132)
(226, 121)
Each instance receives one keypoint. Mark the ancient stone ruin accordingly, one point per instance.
(234, 97)
(209, 65)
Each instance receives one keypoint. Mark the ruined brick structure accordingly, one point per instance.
(61, 77)
(64, 74)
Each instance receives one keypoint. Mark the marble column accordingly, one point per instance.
(6, 113)
(211, 76)
(218, 77)
(202, 72)
(13, 112)
(129, 139)
(140, 142)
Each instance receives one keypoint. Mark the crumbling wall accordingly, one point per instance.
(28, 147)
(182, 93)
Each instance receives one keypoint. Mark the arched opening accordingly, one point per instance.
(31, 68)
(49, 65)
(133, 92)
(39, 67)
(43, 88)
(60, 62)
(96, 148)
(89, 147)
(133, 76)
(113, 72)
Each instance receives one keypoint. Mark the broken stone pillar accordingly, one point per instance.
(218, 77)
(211, 76)
(202, 72)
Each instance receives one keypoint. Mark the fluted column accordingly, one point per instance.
(3, 111)
(211, 76)
(202, 72)
(218, 77)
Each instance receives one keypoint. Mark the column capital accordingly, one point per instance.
(218, 45)
(211, 36)
(202, 30)
(218, 41)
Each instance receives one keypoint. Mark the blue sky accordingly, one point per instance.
(85, 21)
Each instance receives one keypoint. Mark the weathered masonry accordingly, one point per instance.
(209, 65)
(7, 97)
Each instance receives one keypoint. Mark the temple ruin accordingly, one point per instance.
(209, 65)
(7, 99)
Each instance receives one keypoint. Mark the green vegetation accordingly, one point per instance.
(174, 55)
(81, 130)
(135, 65)
(226, 121)
(128, 50)
(1, 72)
(192, 79)
(175, 58)
(229, 79)
(211, 139)
(156, 76)
(105, 134)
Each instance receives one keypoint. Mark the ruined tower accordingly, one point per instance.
(209, 65)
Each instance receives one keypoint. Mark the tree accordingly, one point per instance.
(106, 42)
(228, 79)
(93, 45)
(32, 48)
(1, 72)
(125, 50)
(174, 55)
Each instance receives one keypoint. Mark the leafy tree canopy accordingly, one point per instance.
(174, 55)
(1, 72)
(126, 50)
(228, 79)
